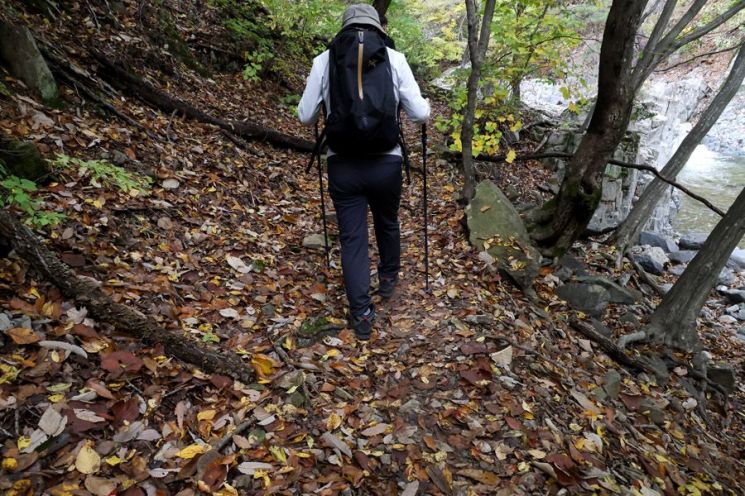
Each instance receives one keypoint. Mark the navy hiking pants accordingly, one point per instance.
(355, 183)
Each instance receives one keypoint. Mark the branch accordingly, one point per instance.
(729, 49)
(698, 33)
(647, 168)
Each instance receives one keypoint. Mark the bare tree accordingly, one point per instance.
(562, 220)
(674, 320)
(478, 43)
(628, 232)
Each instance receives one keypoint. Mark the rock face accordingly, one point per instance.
(496, 227)
(592, 299)
(19, 52)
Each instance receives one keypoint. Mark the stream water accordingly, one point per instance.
(717, 177)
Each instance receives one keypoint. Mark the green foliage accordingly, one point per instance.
(254, 67)
(17, 193)
(103, 173)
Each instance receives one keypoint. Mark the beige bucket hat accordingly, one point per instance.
(361, 13)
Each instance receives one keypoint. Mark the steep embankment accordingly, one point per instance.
(467, 388)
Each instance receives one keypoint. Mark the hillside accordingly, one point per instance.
(472, 388)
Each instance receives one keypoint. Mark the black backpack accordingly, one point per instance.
(364, 113)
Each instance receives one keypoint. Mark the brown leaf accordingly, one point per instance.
(482, 476)
(23, 335)
(120, 362)
(438, 478)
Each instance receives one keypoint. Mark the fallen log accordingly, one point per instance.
(101, 307)
(139, 88)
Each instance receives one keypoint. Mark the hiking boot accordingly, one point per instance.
(363, 324)
(387, 286)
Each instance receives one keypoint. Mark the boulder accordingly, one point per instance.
(692, 241)
(652, 259)
(682, 256)
(616, 292)
(733, 295)
(19, 52)
(726, 277)
(591, 299)
(496, 227)
(737, 260)
(724, 375)
(653, 239)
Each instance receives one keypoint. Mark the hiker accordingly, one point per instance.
(361, 83)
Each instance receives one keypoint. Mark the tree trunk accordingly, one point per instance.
(477, 46)
(102, 308)
(628, 232)
(674, 320)
(382, 7)
(558, 223)
(123, 80)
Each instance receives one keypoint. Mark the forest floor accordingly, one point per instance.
(467, 389)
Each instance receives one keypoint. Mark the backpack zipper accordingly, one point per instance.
(360, 52)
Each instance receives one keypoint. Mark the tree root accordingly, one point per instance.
(627, 339)
(101, 306)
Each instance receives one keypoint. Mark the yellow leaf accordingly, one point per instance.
(10, 464)
(58, 388)
(88, 461)
(56, 398)
(485, 208)
(511, 156)
(333, 422)
(8, 373)
(191, 451)
(278, 454)
(23, 442)
(113, 460)
(206, 415)
(263, 365)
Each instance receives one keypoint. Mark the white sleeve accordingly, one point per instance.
(416, 107)
(310, 103)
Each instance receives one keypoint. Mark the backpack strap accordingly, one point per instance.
(404, 148)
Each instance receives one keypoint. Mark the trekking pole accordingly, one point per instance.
(426, 234)
(323, 203)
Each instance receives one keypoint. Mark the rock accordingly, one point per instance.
(737, 260)
(22, 159)
(652, 259)
(600, 327)
(653, 239)
(5, 322)
(692, 241)
(732, 295)
(656, 415)
(628, 317)
(612, 383)
(617, 293)
(666, 287)
(682, 256)
(741, 331)
(592, 299)
(727, 319)
(677, 270)
(659, 367)
(570, 266)
(313, 241)
(724, 375)
(119, 158)
(19, 52)
(496, 227)
(726, 277)
(412, 406)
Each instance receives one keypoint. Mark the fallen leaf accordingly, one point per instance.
(88, 461)
(191, 451)
(23, 335)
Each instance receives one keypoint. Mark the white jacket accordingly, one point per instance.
(404, 86)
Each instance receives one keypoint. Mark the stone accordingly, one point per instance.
(727, 319)
(737, 260)
(572, 263)
(617, 293)
(496, 227)
(5, 322)
(724, 375)
(600, 327)
(313, 241)
(741, 331)
(612, 383)
(666, 287)
(682, 256)
(659, 367)
(410, 407)
(628, 317)
(677, 270)
(21, 55)
(726, 277)
(652, 259)
(655, 239)
(692, 241)
(592, 299)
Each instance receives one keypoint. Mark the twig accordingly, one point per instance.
(61, 345)
(240, 428)
(728, 49)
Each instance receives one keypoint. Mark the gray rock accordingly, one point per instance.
(600, 327)
(5, 322)
(628, 317)
(692, 241)
(726, 277)
(737, 260)
(727, 319)
(495, 226)
(617, 293)
(313, 241)
(592, 299)
(612, 383)
(573, 264)
(654, 239)
(666, 287)
(741, 331)
(19, 51)
(411, 406)
(677, 270)
(652, 259)
(659, 367)
(22, 321)
(682, 256)
(724, 375)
